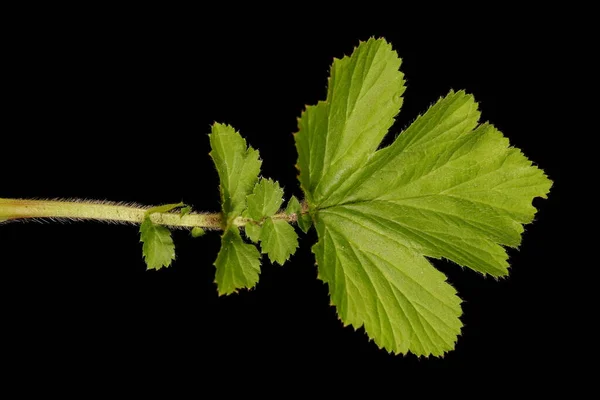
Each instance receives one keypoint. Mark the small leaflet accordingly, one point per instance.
(238, 167)
(238, 264)
(265, 200)
(278, 240)
(293, 206)
(253, 231)
(158, 248)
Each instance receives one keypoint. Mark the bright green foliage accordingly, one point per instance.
(238, 263)
(445, 188)
(377, 281)
(293, 206)
(238, 167)
(253, 231)
(158, 247)
(265, 200)
(304, 222)
(462, 193)
(338, 136)
(278, 239)
(197, 232)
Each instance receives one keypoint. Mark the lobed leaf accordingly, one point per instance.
(452, 190)
(336, 137)
(377, 281)
(445, 188)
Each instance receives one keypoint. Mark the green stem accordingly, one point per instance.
(11, 209)
(16, 209)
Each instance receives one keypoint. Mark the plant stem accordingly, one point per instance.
(15, 209)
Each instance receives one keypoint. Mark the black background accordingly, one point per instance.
(119, 109)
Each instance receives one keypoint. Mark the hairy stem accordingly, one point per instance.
(16, 209)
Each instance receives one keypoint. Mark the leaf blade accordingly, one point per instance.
(376, 281)
(238, 264)
(253, 231)
(158, 248)
(305, 222)
(303, 219)
(445, 188)
(238, 167)
(293, 206)
(265, 199)
(448, 181)
(278, 240)
(337, 136)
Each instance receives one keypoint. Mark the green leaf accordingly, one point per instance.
(453, 191)
(278, 240)
(238, 167)
(377, 281)
(158, 247)
(265, 200)
(304, 220)
(293, 206)
(238, 263)
(253, 231)
(338, 136)
(445, 188)
(197, 232)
